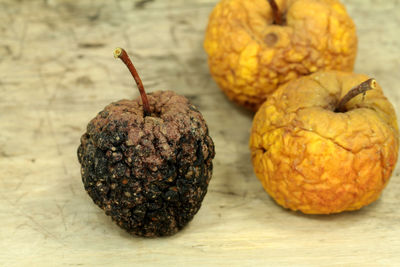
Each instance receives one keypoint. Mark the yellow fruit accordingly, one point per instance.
(249, 56)
(313, 159)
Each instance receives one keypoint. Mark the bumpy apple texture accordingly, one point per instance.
(249, 56)
(149, 173)
(313, 159)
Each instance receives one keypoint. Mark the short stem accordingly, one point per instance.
(121, 54)
(276, 12)
(355, 91)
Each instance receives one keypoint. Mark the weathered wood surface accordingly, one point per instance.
(57, 72)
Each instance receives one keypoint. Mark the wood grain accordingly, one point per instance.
(57, 71)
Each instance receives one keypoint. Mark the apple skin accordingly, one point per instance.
(250, 57)
(313, 159)
(150, 174)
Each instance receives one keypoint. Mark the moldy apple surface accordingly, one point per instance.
(313, 159)
(249, 56)
(149, 173)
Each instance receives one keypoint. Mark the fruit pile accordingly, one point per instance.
(319, 143)
(324, 140)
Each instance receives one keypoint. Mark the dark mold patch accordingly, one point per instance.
(150, 174)
(270, 39)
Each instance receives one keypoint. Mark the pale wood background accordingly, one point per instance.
(57, 72)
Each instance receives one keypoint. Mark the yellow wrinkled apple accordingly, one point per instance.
(253, 48)
(316, 153)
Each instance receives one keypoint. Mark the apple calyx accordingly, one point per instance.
(121, 54)
(362, 88)
(276, 13)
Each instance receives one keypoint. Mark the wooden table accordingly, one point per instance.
(57, 71)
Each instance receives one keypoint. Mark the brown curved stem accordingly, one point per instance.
(355, 91)
(121, 54)
(276, 12)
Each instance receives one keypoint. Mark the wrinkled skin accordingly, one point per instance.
(150, 174)
(318, 161)
(249, 57)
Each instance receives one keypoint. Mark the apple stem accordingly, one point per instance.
(121, 54)
(276, 12)
(362, 88)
